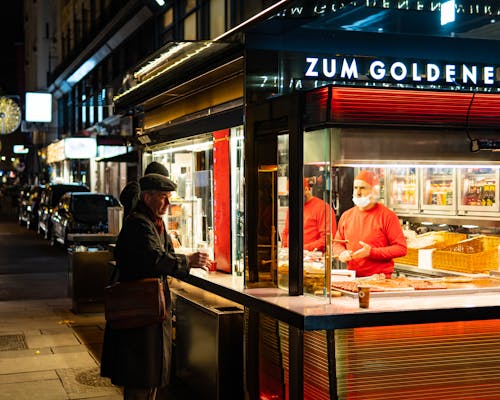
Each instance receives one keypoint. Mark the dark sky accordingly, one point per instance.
(11, 34)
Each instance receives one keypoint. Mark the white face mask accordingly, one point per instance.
(362, 201)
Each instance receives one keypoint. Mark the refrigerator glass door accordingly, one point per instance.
(478, 190)
(438, 192)
(402, 188)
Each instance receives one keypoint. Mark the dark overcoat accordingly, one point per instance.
(140, 357)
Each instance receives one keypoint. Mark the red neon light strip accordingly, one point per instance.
(414, 107)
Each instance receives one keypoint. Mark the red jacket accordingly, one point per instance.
(317, 216)
(380, 228)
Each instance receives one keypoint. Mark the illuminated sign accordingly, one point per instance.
(80, 147)
(70, 148)
(352, 69)
(38, 107)
(465, 7)
(20, 149)
(55, 152)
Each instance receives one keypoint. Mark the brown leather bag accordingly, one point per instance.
(135, 304)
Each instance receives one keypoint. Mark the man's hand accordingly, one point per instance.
(345, 256)
(363, 252)
(198, 260)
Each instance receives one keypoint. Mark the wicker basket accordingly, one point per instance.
(476, 255)
(443, 239)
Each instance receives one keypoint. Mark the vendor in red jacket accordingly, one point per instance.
(317, 216)
(372, 232)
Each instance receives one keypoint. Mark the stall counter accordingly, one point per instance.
(340, 351)
(317, 313)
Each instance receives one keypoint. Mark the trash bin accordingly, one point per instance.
(89, 272)
(209, 349)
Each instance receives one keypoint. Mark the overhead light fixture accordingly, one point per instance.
(447, 12)
(161, 3)
(83, 70)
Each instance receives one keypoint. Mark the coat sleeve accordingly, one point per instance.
(140, 253)
(172, 263)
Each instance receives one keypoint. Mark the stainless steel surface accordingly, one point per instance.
(88, 275)
(209, 345)
(391, 146)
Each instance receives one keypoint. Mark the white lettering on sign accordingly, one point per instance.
(466, 7)
(378, 70)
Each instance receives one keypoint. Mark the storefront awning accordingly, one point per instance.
(130, 157)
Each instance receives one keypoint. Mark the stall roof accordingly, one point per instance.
(131, 157)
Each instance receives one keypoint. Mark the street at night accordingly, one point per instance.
(29, 267)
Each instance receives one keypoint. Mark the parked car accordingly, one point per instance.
(80, 213)
(29, 201)
(49, 198)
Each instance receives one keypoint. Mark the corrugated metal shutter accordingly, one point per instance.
(448, 361)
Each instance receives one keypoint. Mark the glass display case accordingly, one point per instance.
(318, 205)
(478, 190)
(237, 201)
(402, 189)
(438, 189)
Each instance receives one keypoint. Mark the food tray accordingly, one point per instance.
(433, 292)
(454, 285)
(476, 255)
(443, 239)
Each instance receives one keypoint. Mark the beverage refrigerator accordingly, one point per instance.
(438, 190)
(478, 190)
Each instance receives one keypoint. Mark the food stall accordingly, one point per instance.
(319, 103)
(328, 347)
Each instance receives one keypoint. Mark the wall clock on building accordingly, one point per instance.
(10, 115)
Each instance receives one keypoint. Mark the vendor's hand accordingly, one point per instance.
(363, 252)
(198, 260)
(345, 256)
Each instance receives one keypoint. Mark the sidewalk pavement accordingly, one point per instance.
(49, 353)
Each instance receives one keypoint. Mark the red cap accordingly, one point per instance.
(306, 184)
(368, 177)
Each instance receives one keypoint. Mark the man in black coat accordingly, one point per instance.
(139, 358)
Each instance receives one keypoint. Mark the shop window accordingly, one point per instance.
(190, 27)
(190, 5)
(190, 216)
(207, 210)
(168, 18)
(237, 200)
(217, 18)
(282, 211)
(318, 213)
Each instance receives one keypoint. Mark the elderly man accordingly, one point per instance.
(139, 358)
(369, 235)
